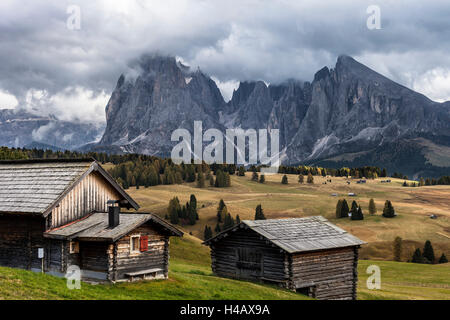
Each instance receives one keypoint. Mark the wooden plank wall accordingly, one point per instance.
(122, 261)
(91, 194)
(20, 238)
(225, 261)
(333, 272)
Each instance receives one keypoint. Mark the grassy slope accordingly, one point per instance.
(191, 278)
(414, 205)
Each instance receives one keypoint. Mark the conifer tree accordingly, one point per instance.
(228, 222)
(259, 213)
(354, 209)
(217, 229)
(428, 252)
(262, 179)
(398, 249)
(221, 210)
(211, 181)
(241, 172)
(207, 233)
(301, 179)
(238, 219)
(417, 256)
(372, 207)
(254, 176)
(443, 259)
(388, 211)
(310, 179)
(345, 209)
(284, 180)
(339, 209)
(200, 180)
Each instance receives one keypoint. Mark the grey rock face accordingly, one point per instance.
(143, 112)
(348, 109)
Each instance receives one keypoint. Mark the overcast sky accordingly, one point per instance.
(47, 66)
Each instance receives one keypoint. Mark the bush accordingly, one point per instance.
(284, 180)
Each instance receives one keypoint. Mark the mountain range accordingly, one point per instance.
(19, 128)
(348, 115)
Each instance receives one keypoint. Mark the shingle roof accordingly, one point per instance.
(33, 186)
(95, 227)
(298, 234)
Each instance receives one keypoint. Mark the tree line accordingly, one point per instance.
(356, 213)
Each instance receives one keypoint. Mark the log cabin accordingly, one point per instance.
(307, 255)
(55, 214)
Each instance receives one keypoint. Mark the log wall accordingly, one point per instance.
(331, 274)
(121, 260)
(225, 258)
(20, 238)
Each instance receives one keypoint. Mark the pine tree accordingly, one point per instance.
(193, 201)
(310, 179)
(192, 215)
(345, 209)
(211, 181)
(284, 180)
(428, 252)
(262, 179)
(358, 215)
(173, 211)
(241, 172)
(398, 249)
(372, 207)
(207, 233)
(259, 213)
(254, 176)
(443, 259)
(301, 179)
(354, 209)
(217, 229)
(417, 256)
(339, 209)
(238, 219)
(221, 211)
(228, 222)
(388, 211)
(200, 180)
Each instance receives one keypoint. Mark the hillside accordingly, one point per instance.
(191, 278)
(413, 205)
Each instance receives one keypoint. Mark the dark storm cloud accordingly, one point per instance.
(232, 40)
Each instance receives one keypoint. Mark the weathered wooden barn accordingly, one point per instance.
(309, 255)
(60, 213)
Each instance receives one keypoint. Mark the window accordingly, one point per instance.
(74, 247)
(134, 245)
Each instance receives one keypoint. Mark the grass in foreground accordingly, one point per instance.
(191, 278)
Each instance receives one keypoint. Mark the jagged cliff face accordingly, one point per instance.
(143, 112)
(347, 110)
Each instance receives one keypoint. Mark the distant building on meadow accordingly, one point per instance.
(60, 213)
(309, 255)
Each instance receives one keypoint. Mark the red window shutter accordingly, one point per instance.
(144, 243)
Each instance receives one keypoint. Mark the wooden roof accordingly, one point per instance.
(298, 234)
(37, 186)
(96, 228)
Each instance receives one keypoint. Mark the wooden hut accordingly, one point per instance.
(308, 255)
(60, 213)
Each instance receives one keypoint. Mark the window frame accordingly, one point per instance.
(74, 247)
(138, 249)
